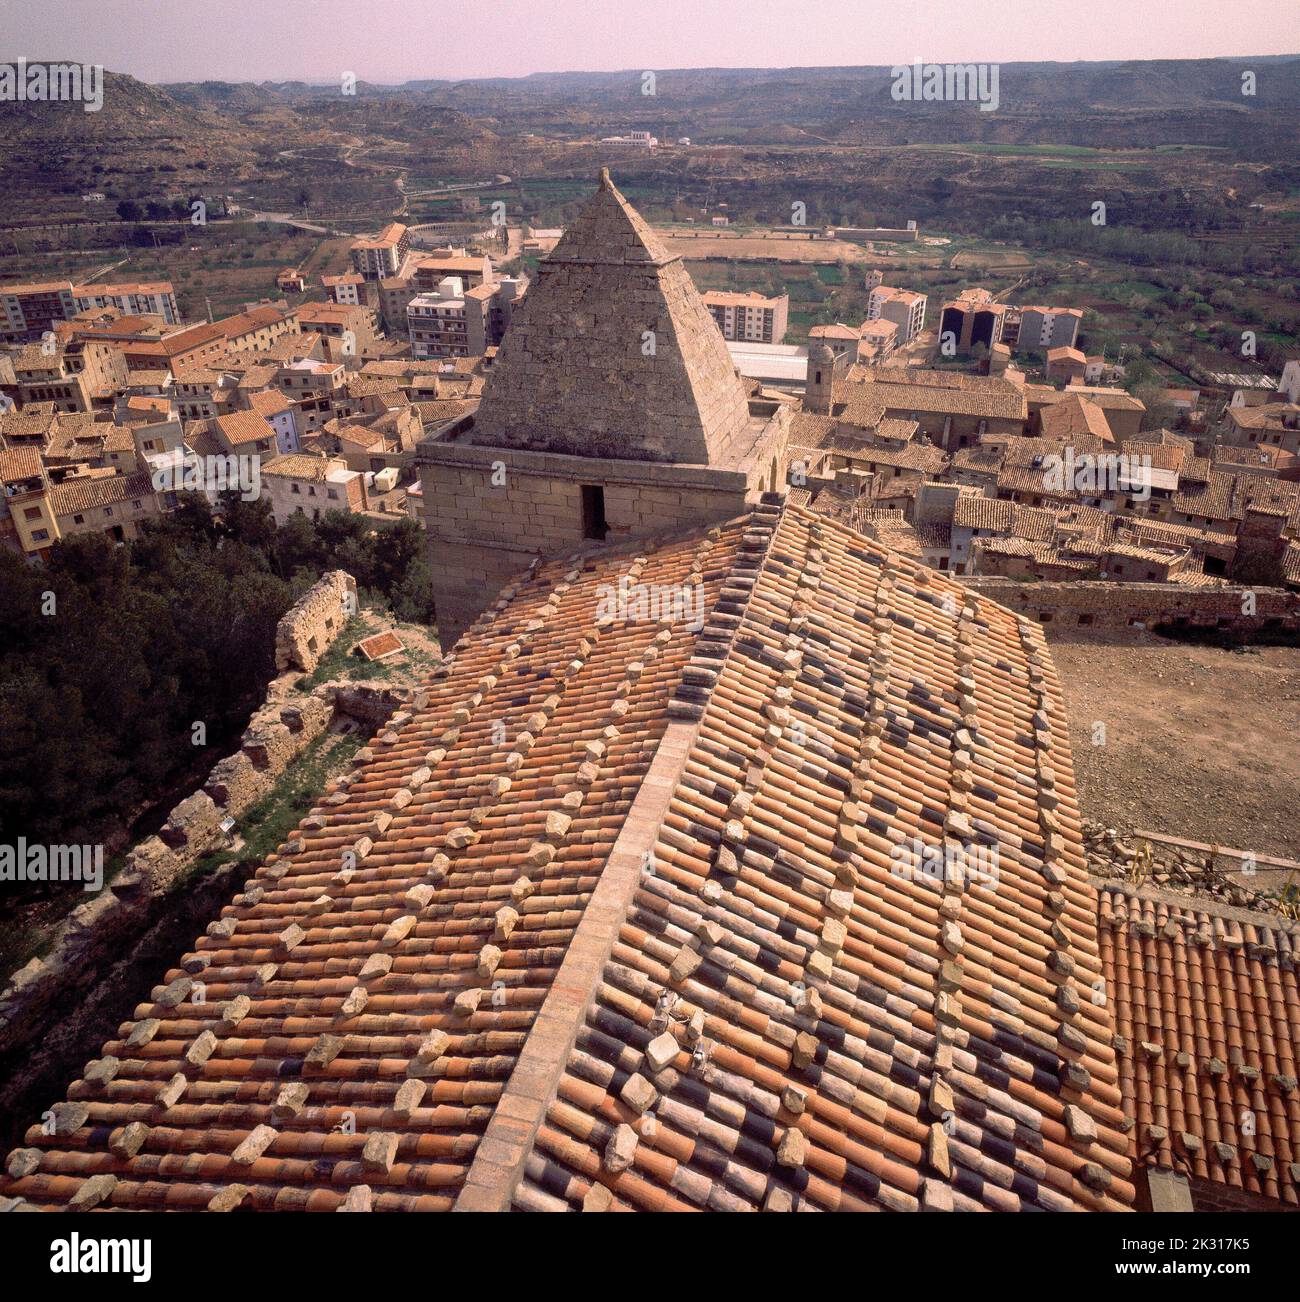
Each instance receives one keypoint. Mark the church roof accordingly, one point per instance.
(669, 946)
(613, 353)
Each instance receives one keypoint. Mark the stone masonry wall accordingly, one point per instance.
(482, 534)
(1080, 610)
(308, 628)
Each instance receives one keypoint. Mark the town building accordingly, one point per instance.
(27, 311)
(346, 289)
(132, 298)
(346, 331)
(1039, 329)
(310, 485)
(427, 273)
(456, 322)
(749, 318)
(384, 255)
(904, 308)
(258, 327)
(972, 320)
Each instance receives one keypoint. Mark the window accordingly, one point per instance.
(78, 519)
(332, 494)
(39, 535)
(31, 513)
(594, 524)
(293, 488)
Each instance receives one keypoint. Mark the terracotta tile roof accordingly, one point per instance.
(17, 464)
(1272, 416)
(1074, 418)
(119, 439)
(34, 420)
(77, 495)
(1162, 456)
(1026, 479)
(979, 458)
(1207, 1018)
(269, 402)
(972, 511)
(799, 1015)
(868, 397)
(1106, 398)
(1035, 523)
(240, 427)
(1157, 531)
(695, 833)
(1216, 499)
(296, 465)
(922, 456)
(437, 410)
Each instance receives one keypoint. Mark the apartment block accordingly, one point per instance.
(1043, 328)
(383, 255)
(27, 311)
(428, 272)
(905, 308)
(749, 318)
(972, 320)
(455, 322)
(133, 298)
(347, 289)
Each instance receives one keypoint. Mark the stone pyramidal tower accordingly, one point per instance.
(612, 411)
(613, 352)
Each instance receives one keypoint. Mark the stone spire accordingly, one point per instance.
(612, 353)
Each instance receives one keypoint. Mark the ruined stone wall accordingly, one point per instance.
(65, 988)
(308, 628)
(1079, 610)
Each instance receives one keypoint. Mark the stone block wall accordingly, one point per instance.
(308, 628)
(1080, 610)
(483, 533)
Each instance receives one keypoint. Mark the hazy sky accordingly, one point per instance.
(393, 40)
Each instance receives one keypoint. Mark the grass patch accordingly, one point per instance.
(338, 659)
(268, 823)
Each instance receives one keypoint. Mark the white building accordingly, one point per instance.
(437, 323)
(134, 298)
(901, 306)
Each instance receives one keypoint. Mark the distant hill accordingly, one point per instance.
(269, 143)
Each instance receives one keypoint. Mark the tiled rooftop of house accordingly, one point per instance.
(691, 836)
(76, 495)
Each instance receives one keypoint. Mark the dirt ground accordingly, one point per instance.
(1199, 742)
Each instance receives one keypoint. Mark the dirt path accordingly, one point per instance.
(1199, 742)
